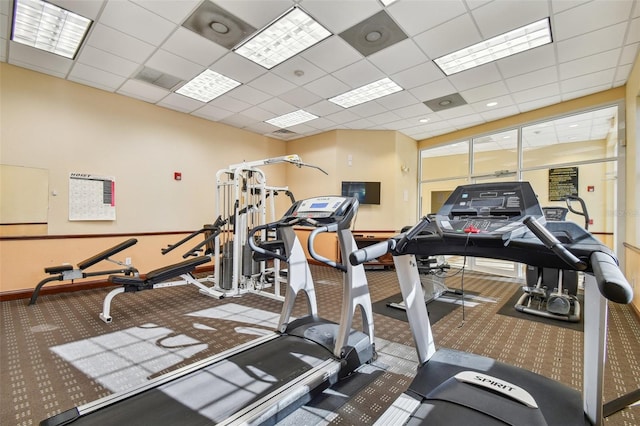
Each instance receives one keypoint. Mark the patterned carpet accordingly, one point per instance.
(58, 354)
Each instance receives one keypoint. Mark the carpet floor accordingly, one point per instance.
(58, 354)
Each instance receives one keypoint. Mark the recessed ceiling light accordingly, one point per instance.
(387, 2)
(287, 36)
(492, 104)
(424, 120)
(207, 86)
(515, 41)
(366, 93)
(219, 27)
(373, 36)
(291, 119)
(573, 125)
(48, 27)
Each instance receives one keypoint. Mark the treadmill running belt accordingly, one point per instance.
(210, 395)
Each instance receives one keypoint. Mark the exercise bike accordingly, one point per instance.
(553, 293)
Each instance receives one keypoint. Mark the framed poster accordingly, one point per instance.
(562, 182)
(92, 197)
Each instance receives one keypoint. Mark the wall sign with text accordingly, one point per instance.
(563, 181)
(92, 197)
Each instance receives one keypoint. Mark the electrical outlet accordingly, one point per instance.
(127, 261)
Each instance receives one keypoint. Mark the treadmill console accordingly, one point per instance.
(325, 210)
(493, 209)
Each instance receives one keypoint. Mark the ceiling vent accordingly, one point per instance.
(374, 34)
(445, 102)
(284, 134)
(158, 78)
(216, 24)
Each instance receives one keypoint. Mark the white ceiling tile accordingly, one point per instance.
(342, 117)
(143, 91)
(503, 102)
(398, 100)
(367, 109)
(236, 120)
(533, 79)
(531, 60)
(230, 104)
(588, 44)
(302, 128)
(538, 103)
(474, 4)
(332, 54)
(193, 47)
(119, 44)
(126, 17)
(256, 13)
(400, 56)
(339, 15)
(629, 54)
(88, 9)
(385, 117)
(362, 123)
(417, 16)
(322, 124)
(106, 61)
(248, 94)
(300, 97)
(171, 64)
(418, 75)
(433, 90)
(323, 108)
(634, 32)
(412, 111)
(261, 128)
(238, 68)
(212, 112)
(598, 79)
(584, 92)
(459, 33)
(622, 74)
(277, 106)
(491, 17)
(558, 6)
(466, 121)
(359, 74)
(180, 103)
(289, 68)
(272, 84)
(174, 10)
(487, 91)
(459, 111)
(6, 7)
(327, 87)
(95, 77)
(38, 60)
(475, 77)
(589, 64)
(257, 113)
(539, 92)
(589, 17)
(499, 113)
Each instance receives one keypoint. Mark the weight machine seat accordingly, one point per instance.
(159, 275)
(58, 269)
(107, 253)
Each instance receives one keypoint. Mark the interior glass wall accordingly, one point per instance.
(585, 145)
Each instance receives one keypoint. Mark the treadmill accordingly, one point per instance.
(267, 378)
(500, 220)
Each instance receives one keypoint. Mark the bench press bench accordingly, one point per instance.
(68, 272)
(156, 279)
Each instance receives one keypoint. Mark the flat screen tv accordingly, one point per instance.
(365, 192)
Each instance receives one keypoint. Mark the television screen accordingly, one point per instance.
(365, 192)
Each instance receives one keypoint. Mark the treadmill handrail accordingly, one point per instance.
(552, 243)
(310, 246)
(611, 282)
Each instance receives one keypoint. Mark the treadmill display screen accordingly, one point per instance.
(318, 205)
(487, 202)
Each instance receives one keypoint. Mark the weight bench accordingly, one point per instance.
(68, 272)
(157, 279)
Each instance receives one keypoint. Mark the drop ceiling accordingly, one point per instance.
(595, 44)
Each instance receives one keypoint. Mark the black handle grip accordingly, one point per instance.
(611, 282)
(371, 252)
(552, 243)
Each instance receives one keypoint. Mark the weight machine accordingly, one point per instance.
(242, 195)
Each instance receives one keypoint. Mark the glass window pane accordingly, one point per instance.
(588, 136)
(445, 161)
(495, 154)
(434, 194)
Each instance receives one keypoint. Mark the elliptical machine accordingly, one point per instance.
(553, 293)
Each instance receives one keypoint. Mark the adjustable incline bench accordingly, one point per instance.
(68, 272)
(153, 280)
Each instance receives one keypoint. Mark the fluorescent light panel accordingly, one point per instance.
(48, 27)
(366, 93)
(291, 119)
(289, 35)
(515, 41)
(207, 86)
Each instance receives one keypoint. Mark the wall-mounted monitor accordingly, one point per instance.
(365, 192)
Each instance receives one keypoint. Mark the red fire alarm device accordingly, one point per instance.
(177, 176)
(591, 188)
